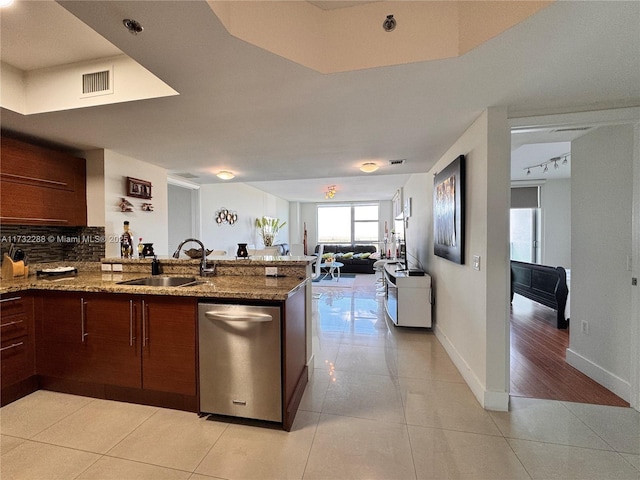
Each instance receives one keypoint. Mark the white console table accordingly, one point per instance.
(407, 298)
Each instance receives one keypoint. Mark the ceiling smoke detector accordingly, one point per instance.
(389, 23)
(134, 27)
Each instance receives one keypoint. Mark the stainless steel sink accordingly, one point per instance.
(163, 281)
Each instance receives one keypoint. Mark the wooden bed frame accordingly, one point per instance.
(542, 284)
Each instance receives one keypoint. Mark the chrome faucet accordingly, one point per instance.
(204, 271)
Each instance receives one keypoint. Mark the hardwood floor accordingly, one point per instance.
(538, 366)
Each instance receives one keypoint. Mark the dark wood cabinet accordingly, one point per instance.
(294, 354)
(169, 344)
(118, 340)
(111, 326)
(17, 350)
(61, 348)
(41, 186)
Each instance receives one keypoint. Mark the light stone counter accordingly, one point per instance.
(251, 287)
(238, 279)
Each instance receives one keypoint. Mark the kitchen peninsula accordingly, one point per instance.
(91, 334)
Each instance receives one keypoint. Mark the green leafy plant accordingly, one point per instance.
(268, 227)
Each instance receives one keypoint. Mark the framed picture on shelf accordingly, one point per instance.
(138, 188)
(449, 210)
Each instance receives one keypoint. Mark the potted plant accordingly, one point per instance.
(268, 227)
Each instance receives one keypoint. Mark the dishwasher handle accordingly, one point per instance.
(239, 317)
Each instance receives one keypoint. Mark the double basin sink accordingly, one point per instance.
(164, 282)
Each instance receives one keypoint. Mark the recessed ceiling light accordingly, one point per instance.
(5, 3)
(133, 26)
(369, 167)
(225, 175)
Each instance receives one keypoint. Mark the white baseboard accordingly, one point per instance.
(617, 385)
(311, 366)
(497, 401)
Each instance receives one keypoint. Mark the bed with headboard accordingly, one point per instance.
(543, 284)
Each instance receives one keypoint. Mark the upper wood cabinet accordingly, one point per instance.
(39, 186)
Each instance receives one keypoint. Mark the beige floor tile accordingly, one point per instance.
(32, 414)
(432, 403)
(546, 421)
(372, 360)
(98, 426)
(198, 476)
(548, 461)
(348, 448)
(447, 454)
(39, 461)
(8, 443)
(418, 360)
(325, 352)
(170, 438)
(108, 468)
(619, 427)
(316, 389)
(244, 452)
(632, 459)
(361, 395)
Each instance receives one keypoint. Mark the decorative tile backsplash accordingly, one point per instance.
(44, 244)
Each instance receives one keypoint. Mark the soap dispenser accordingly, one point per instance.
(155, 266)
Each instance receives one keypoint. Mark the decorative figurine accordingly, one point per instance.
(125, 205)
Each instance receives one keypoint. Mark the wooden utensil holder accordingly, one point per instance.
(11, 269)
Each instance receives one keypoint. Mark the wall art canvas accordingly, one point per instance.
(448, 211)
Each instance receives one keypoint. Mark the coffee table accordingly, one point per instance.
(332, 268)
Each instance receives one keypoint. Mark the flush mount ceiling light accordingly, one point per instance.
(134, 27)
(225, 175)
(331, 192)
(5, 3)
(368, 167)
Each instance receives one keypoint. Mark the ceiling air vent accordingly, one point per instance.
(186, 175)
(397, 162)
(97, 83)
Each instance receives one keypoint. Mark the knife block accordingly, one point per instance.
(11, 269)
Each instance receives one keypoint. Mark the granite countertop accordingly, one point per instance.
(253, 287)
(254, 260)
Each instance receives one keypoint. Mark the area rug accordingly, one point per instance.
(346, 281)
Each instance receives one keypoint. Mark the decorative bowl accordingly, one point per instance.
(196, 252)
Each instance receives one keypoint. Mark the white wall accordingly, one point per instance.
(249, 203)
(180, 216)
(601, 222)
(419, 230)
(95, 187)
(555, 203)
(471, 307)
(12, 94)
(152, 226)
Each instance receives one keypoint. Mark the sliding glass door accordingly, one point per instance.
(525, 244)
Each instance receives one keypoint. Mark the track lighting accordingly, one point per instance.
(563, 159)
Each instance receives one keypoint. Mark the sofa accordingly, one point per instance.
(355, 258)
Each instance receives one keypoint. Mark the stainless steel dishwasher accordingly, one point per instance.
(240, 361)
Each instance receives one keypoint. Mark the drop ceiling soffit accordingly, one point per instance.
(352, 38)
